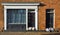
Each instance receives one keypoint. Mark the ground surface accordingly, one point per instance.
(29, 33)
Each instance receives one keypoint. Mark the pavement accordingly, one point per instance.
(29, 33)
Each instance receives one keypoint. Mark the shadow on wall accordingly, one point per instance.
(42, 4)
(52, 34)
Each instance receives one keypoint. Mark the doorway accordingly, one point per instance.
(49, 18)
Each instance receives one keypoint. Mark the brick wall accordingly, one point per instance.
(55, 4)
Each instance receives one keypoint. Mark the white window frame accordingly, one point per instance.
(21, 6)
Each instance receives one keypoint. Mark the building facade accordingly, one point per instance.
(24, 15)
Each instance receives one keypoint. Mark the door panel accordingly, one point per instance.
(31, 19)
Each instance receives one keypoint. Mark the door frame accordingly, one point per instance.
(36, 19)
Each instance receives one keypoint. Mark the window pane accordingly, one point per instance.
(16, 19)
(49, 18)
(30, 10)
(49, 10)
(31, 17)
(17, 16)
(22, 16)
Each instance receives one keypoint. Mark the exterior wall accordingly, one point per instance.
(55, 4)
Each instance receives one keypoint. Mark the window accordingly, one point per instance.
(16, 18)
(49, 18)
(20, 17)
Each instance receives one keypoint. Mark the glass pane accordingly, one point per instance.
(49, 10)
(17, 16)
(30, 10)
(22, 16)
(10, 16)
(16, 19)
(31, 19)
(49, 18)
(16, 27)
